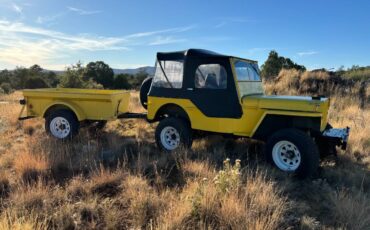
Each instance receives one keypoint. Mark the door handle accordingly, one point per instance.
(190, 89)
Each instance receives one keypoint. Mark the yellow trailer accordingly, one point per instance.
(64, 109)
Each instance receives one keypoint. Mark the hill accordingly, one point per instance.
(147, 69)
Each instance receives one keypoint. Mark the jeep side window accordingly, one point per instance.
(172, 76)
(210, 76)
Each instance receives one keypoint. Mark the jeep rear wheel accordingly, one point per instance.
(291, 150)
(172, 133)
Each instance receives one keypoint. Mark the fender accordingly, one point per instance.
(70, 105)
(283, 113)
(172, 109)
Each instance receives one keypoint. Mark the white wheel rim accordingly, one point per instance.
(60, 127)
(286, 156)
(170, 138)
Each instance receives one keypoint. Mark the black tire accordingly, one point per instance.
(181, 126)
(308, 151)
(144, 90)
(69, 117)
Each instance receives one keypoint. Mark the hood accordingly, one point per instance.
(288, 103)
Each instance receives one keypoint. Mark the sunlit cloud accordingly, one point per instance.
(21, 44)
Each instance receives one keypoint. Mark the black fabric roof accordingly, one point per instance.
(178, 55)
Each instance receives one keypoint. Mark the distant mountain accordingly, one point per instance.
(148, 69)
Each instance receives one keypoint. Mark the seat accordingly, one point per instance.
(211, 81)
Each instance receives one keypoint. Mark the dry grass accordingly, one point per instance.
(30, 167)
(117, 179)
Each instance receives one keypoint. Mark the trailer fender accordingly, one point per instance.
(67, 105)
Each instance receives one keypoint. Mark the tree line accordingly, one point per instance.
(94, 75)
(99, 75)
(275, 63)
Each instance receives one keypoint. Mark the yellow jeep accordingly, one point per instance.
(206, 91)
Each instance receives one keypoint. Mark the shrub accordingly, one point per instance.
(121, 81)
(6, 87)
(34, 83)
(228, 179)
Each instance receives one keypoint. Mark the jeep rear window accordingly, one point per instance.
(168, 74)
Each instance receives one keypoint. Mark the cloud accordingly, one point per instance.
(17, 8)
(49, 19)
(307, 53)
(21, 44)
(83, 12)
(160, 40)
(171, 30)
(258, 50)
(221, 24)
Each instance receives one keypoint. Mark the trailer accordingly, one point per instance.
(66, 110)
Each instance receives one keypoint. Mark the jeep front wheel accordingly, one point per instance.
(291, 150)
(172, 133)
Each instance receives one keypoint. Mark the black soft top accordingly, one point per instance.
(196, 53)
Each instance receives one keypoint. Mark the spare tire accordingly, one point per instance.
(144, 90)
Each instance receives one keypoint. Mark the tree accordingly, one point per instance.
(140, 76)
(99, 72)
(35, 82)
(121, 81)
(52, 79)
(72, 78)
(35, 69)
(275, 63)
(21, 75)
(5, 76)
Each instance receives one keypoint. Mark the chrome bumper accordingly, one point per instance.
(341, 135)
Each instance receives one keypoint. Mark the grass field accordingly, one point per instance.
(117, 179)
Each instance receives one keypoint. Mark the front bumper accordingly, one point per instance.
(339, 136)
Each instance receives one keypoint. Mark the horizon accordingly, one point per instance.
(127, 35)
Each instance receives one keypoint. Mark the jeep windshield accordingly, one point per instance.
(248, 76)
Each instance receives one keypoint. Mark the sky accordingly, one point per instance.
(127, 34)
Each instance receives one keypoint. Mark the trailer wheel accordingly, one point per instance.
(172, 133)
(144, 90)
(291, 150)
(62, 124)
